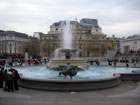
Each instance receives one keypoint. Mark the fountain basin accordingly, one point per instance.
(134, 76)
(70, 85)
(78, 85)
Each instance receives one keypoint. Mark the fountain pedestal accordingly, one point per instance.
(68, 59)
(67, 55)
(60, 62)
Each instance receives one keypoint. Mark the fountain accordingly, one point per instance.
(67, 57)
(65, 54)
(93, 78)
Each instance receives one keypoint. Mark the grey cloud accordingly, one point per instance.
(130, 4)
(43, 13)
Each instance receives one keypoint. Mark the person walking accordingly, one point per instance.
(135, 62)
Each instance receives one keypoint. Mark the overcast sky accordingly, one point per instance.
(118, 17)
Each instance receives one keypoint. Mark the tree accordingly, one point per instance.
(103, 48)
(90, 48)
(33, 48)
(48, 47)
(112, 46)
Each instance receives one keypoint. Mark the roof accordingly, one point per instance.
(134, 36)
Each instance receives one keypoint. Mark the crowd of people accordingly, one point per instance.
(38, 61)
(21, 62)
(112, 62)
(9, 79)
(91, 61)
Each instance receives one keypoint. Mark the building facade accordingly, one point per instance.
(37, 35)
(13, 43)
(87, 36)
(131, 44)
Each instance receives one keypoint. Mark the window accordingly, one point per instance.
(95, 54)
(126, 49)
(88, 32)
(56, 46)
(80, 54)
(80, 46)
(88, 53)
(80, 37)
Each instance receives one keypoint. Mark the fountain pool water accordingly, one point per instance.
(39, 77)
(93, 72)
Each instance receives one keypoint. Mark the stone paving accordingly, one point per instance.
(128, 93)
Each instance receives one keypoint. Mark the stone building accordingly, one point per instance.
(129, 48)
(37, 35)
(130, 44)
(12, 43)
(87, 36)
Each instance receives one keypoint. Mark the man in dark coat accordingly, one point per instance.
(10, 81)
(5, 80)
(1, 78)
(16, 78)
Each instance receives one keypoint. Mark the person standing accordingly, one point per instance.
(91, 62)
(127, 65)
(10, 81)
(16, 79)
(1, 78)
(135, 62)
(97, 62)
(115, 62)
(5, 80)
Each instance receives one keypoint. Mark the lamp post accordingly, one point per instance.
(135, 45)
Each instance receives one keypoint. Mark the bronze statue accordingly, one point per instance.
(68, 70)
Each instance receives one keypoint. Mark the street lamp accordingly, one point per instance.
(135, 45)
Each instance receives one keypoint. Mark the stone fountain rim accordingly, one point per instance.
(116, 75)
(70, 85)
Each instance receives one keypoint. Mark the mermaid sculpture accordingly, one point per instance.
(68, 70)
